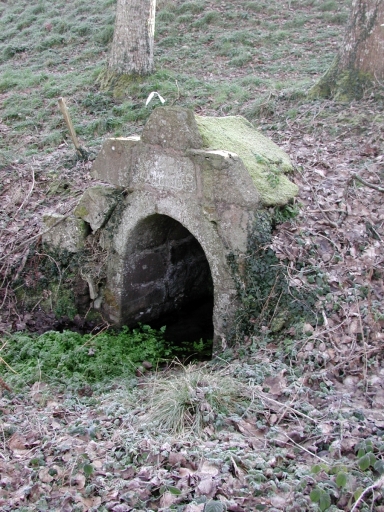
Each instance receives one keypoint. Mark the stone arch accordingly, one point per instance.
(130, 234)
(210, 175)
(167, 280)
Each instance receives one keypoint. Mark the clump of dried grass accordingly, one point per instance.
(190, 399)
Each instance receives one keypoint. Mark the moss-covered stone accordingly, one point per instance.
(266, 163)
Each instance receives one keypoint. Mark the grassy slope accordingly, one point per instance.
(212, 56)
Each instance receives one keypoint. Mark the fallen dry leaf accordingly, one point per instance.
(207, 468)
(89, 503)
(44, 475)
(168, 499)
(78, 480)
(194, 508)
(207, 487)
(276, 384)
(17, 442)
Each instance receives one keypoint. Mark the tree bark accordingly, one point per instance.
(132, 45)
(360, 61)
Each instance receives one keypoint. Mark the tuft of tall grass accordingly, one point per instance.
(189, 400)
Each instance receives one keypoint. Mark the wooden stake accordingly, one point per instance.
(67, 118)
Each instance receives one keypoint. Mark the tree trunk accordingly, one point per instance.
(360, 61)
(132, 45)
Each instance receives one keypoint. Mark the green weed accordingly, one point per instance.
(267, 301)
(330, 5)
(8, 80)
(241, 60)
(165, 15)
(68, 356)
(286, 213)
(208, 18)
(185, 18)
(255, 6)
(339, 18)
(51, 42)
(192, 7)
(345, 482)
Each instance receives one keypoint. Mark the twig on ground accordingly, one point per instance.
(97, 334)
(378, 483)
(263, 396)
(5, 296)
(22, 265)
(7, 365)
(302, 448)
(27, 196)
(366, 183)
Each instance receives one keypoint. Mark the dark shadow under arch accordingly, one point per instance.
(167, 280)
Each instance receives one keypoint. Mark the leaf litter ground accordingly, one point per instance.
(309, 408)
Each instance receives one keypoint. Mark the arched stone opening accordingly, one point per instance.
(167, 280)
(185, 175)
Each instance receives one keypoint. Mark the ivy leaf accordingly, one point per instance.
(364, 462)
(369, 445)
(325, 501)
(214, 506)
(88, 469)
(315, 495)
(316, 469)
(379, 466)
(357, 493)
(341, 479)
(174, 490)
(367, 460)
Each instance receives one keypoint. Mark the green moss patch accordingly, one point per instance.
(265, 161)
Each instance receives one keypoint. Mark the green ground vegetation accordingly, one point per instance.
(70, 360)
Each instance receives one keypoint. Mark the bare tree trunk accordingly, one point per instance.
(132, 45)
(361, 57)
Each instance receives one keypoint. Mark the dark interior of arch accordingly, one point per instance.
(167, 281)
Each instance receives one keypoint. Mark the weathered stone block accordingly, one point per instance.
(172, 127)
(65, 233)
(115, 160)
(163, 171)
(225, 179)
(194, 186)
(96, 206)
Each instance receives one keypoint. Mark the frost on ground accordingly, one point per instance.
(284, 437)
(308, 434)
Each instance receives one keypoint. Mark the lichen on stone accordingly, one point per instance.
(266, 163)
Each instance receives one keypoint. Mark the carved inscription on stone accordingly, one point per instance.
(166, 172)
